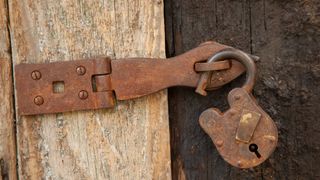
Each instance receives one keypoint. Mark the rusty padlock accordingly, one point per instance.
(244, 135)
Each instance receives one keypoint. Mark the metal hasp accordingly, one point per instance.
(37, 86)
(97, 83)
(245, 135)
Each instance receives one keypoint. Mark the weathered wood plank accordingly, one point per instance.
(7, 130)
(130, 141)
(285, 34)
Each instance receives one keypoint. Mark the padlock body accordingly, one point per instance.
(244, 135)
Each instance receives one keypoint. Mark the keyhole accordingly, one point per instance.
(254, 148)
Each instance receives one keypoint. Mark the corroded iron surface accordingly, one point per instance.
(37, 92)
(222, 129)
(245, 135)
(96, 83)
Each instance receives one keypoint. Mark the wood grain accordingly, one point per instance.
(130, 141)
(285, 34)
(194, 21)
(7, 130)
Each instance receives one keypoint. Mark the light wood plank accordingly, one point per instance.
(130, 141)
(7, 130)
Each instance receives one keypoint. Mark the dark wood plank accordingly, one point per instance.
(286, 35)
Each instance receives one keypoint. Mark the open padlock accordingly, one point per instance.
(244, 135)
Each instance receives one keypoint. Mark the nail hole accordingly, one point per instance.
(58, 87)
(254, 148)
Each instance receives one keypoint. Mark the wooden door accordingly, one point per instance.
(286, 36)
(130, 141)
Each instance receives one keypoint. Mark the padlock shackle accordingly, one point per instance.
(244, 59)
(236, 55)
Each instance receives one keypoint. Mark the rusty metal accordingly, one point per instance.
(38, 100)
(35, 75)
(83, 94)
(72, 98)
(215, 66)
(222, 127)
(247, 125)
(230, 54)
(81, 70)
(132, 78)
(245, 135)
(102, 83)
(90, 84)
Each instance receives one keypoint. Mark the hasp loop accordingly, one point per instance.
(234, 54)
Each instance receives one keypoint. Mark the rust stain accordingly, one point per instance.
(245, 118)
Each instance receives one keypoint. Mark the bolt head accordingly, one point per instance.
(239, 163)
(38, 100)
(237, 97)
(219, 143)
(232, 112)
(36, 75)
(81, 70)
(83, 94)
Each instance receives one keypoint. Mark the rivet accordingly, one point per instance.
(232, 112)
(36, 75)
(219, 143)
(237, 97)
(83, 94)
(81, 70)
(239, 163)
(38, 100)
